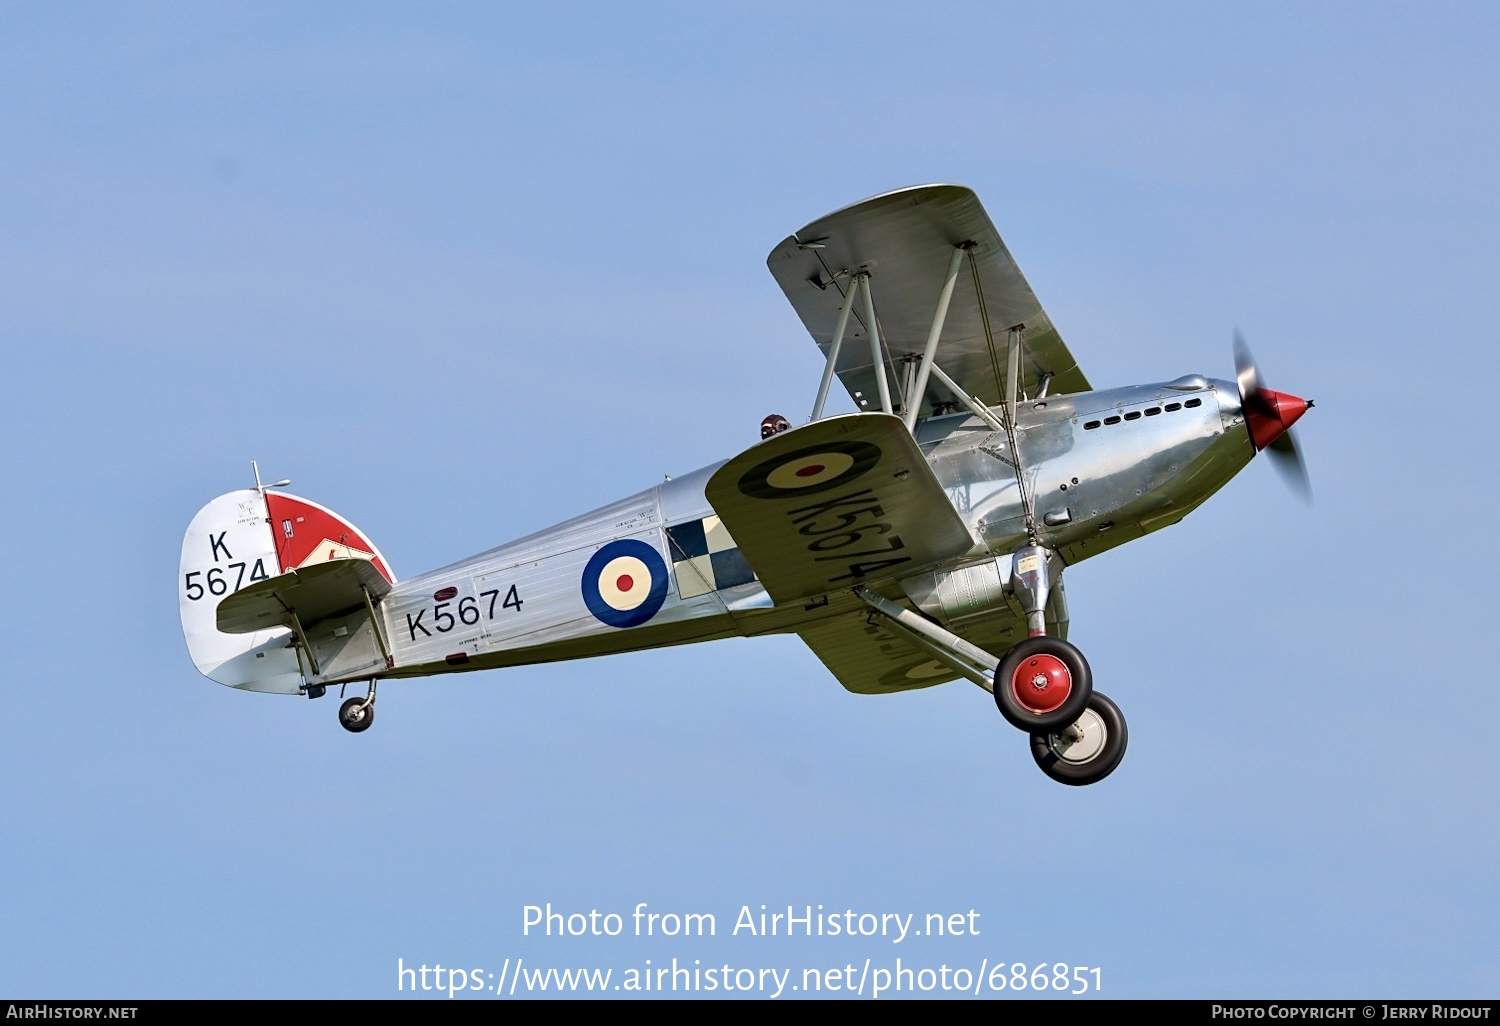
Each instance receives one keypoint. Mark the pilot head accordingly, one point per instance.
(775, 424)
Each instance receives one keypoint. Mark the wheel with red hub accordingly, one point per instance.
(1087, 750)
(1042, 685)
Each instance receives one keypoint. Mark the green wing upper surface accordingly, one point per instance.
(843, 501)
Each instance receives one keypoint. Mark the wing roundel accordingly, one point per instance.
(843, 501)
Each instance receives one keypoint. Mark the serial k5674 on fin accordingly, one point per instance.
(923, 539)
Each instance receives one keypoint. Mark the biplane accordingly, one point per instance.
(920, 540)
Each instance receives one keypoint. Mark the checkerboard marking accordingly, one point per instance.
(705, 558)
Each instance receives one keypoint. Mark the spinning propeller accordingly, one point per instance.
(1270, 416)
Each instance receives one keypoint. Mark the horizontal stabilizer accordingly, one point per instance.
(308, 595)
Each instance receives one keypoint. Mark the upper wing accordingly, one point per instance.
(904, 239)
(839, 502)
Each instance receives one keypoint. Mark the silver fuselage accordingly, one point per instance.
(1102, 467)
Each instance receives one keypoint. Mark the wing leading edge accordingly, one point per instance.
(904, 240)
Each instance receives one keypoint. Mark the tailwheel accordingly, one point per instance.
(357, 714)
(1042, 685)
(1087, 750)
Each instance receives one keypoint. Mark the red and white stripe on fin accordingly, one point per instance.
(236, 540)
(306, 533)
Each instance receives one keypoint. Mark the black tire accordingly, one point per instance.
(1051, 754)
(1081, 685)
(354, 718)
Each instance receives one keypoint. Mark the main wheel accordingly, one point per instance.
(1088, 750)
(354, 716)
(1042, 685)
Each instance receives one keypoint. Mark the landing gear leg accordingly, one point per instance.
(1043, 684)
(357, 714)
(1086, 751)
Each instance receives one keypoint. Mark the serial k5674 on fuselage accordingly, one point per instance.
(919, 541)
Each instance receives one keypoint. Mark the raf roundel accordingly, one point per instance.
(810, 470)
(919, 675)
(625, 583)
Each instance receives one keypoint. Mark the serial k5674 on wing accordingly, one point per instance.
(921, 540)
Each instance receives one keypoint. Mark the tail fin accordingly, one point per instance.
(240, 538)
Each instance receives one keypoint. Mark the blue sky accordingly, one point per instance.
(463, 271)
